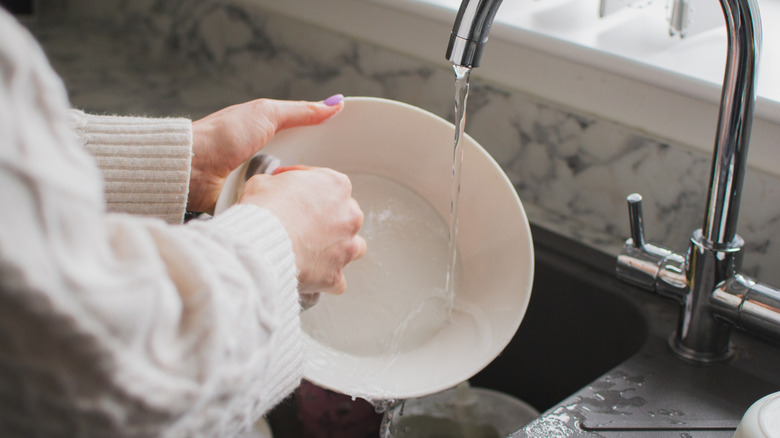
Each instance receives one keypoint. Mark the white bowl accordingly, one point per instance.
(346, 346)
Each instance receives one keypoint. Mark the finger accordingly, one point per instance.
(339, 287)
(361, 245)
(253, 185)
(289, 114)
(336, 287)
(359, 216)
(282, 169)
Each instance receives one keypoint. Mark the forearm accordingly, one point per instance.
(114, 325)
(145, 162)
(151, 330)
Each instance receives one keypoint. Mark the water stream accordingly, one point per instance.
(461, 96)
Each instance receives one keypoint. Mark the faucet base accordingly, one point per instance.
(703, 336)
(693, 356)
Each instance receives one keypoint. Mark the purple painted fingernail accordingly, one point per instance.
(334, 100)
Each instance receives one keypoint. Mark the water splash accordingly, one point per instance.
(386, 429)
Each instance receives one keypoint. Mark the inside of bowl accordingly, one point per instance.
(397, 291)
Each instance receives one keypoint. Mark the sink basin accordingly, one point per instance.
(642, 389)
(574, 331)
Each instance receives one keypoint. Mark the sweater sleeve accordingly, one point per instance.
(145, 162)
(114, 325)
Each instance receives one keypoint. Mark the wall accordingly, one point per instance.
(572, 170)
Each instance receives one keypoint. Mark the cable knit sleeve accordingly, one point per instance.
(145, 162)
(116, 325)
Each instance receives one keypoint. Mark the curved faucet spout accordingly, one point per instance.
(470, 32)
(743, 26)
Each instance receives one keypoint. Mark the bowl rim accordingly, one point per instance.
(323, 378)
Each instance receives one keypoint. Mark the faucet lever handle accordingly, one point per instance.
(635, 219)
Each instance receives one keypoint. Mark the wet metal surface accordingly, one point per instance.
(655, 394)
(654, 390)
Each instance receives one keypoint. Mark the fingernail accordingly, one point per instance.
(334, 100)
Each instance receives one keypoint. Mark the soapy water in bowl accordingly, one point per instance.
(396, 298)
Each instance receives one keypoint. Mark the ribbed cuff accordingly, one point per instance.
(259, 228)
(145, 162)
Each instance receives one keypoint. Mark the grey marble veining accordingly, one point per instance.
(572, 170)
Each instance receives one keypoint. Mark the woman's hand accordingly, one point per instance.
(322, 219)
(227, 138)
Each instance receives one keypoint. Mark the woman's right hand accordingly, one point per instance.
(316, 207)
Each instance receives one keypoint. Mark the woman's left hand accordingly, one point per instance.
(225, 139)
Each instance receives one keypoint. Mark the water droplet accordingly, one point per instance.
(671, 412)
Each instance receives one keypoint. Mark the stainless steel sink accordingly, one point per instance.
(620, 334)
(575, 329)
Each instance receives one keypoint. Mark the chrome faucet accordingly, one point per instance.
(470, 32)
(706, 282)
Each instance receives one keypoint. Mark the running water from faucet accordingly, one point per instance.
(461, 96)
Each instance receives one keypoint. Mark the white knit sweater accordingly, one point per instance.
(114, 325)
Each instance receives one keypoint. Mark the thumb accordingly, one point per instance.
(290, 114)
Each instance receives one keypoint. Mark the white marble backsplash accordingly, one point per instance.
(572, 170)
